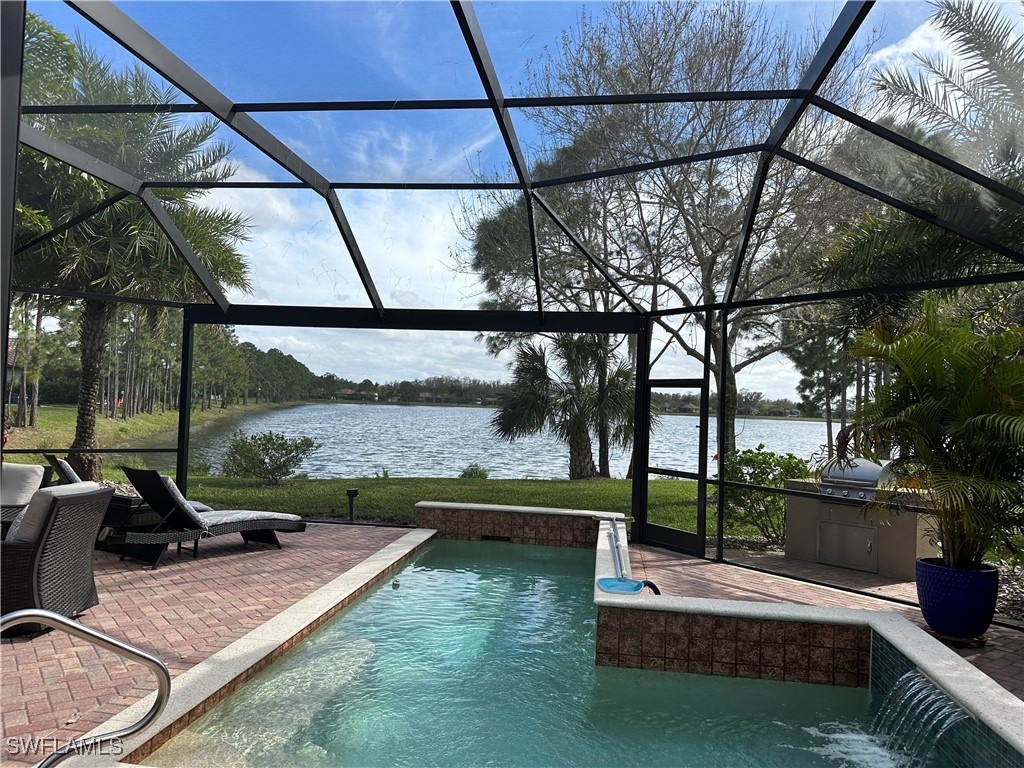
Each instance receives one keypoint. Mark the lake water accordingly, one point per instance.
(361, 440)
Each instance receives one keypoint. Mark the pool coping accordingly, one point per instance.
(971, 688)
(245, 656)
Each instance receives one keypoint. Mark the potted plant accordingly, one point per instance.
(953, 415)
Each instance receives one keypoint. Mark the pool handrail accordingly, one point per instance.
(100, 640)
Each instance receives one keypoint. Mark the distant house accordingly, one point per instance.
(426, 396)
(14, 368)
(689, 408)
(348, 394)
(490, 401)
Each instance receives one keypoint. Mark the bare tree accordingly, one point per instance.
(669, 235)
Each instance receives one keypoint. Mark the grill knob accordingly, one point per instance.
(846, 493)
(860, 495)
(828, 491)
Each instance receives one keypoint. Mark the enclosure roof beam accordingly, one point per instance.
(75, 157)
(913, 210)
(850, 293)
(124, 30)
(93, 296)
(418, 319)
(405, 105)
(831, 48)
(586, 253)
(654, 165)
(73, 222)
(443, 186)
(920, 150)
(474, 37)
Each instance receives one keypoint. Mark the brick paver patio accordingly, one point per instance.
(185, 611)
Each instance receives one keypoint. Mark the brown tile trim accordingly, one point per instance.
(554, 528)
(829, 654)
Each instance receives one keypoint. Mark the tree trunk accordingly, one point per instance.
(581, 454)
(96, 317)
(725, 379)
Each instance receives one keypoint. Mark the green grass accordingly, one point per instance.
(394, 499)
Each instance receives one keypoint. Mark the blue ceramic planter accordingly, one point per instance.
(954, 601)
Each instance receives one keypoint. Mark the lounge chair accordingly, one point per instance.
(46, 557)
(66, 474)
(179, 522)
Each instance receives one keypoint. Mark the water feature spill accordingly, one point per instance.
(913, 717)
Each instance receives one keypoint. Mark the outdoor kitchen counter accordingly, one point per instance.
(845, 532)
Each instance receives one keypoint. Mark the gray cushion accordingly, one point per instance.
(18, 482)
(199, 507)
(183, 503)
(28, 525)
(69, 474)
(245, 515)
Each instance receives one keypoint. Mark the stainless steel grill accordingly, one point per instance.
(857, 481)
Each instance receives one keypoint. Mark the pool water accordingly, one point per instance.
(482, 653)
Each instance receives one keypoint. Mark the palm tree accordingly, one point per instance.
(970, 107)
(557, 388)
(121, 251)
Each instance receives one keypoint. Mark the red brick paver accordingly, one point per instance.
(183, 612)
(1001, 658)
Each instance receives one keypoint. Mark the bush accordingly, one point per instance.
(269, 456)
(474, 472)
(762, 510)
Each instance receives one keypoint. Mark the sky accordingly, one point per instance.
(275, 51)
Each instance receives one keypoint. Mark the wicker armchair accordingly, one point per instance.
(46, 558)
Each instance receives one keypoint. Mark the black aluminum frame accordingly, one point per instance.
(209, 100)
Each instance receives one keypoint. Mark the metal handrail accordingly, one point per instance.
(73, 628)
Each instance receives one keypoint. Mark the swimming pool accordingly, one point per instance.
(483, 653)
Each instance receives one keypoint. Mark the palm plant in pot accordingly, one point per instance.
(953, 416)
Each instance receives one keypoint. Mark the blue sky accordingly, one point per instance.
(274, 51)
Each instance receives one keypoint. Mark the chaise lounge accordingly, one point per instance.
(178, 521)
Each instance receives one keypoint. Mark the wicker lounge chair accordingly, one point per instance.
(46, 557)
(179, 522)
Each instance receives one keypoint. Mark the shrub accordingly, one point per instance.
(474, 472)
(762, 510)
(269, 456)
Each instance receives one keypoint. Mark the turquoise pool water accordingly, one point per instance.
(482, 654)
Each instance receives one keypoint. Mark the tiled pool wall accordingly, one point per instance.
(968, 744)
(518, 525)
(829, 654)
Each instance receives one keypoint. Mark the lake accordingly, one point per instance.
(363, 440)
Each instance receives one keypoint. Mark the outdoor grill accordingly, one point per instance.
(856, 481)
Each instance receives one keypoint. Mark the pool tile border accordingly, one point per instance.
(545, 526)
(200, 688)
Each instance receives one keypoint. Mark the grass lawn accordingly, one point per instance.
(56, 429)
(394, 499)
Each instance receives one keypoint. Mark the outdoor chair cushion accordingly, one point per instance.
(28, 525)
(67, 472)
(18, 482)
(229, 516)
(185, 505)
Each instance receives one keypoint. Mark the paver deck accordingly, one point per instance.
(58, 688)
(185, 611)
